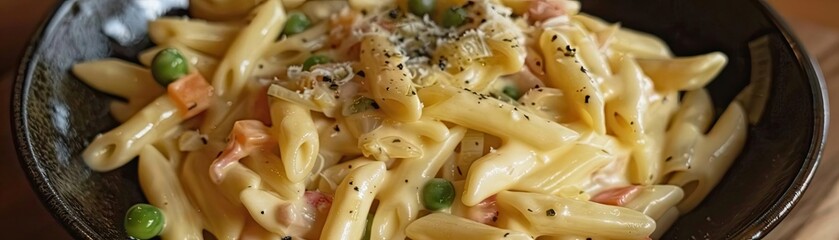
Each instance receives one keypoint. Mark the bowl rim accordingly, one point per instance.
(29, 161)
(778, 210)
(60, 210)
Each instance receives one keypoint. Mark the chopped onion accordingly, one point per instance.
(363, 122)
(471, 148)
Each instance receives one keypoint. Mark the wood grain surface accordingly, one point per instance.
(815, 22)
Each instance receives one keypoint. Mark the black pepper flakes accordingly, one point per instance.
(506, 234)
(204, 140)
(262, 212)
(394, 13)
(406, 180)
(219, 154)
(355, 188)
(550, 212)
(286, 238)
(468, 4)
(361, 73)
(336, 128)
(400, 66)
(583, 69)
(530, 210)
(587, 98)
(553, 38)
(327, 79)
(669, 158)
(333, 86)
(396, 141)
(375, 105)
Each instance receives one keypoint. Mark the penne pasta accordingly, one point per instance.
(455, 119)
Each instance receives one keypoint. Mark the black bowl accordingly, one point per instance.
(55, 116)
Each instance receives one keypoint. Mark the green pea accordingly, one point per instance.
(297, 22)
(454, 17)
(368, 228)
(315, 60)
(143, 221)
(512, 92)
(168, 66)
(362, 104)
(437, 194)
(421, 7)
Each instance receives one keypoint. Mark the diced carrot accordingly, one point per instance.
(617, 196)
(247, 136)
(192, 94)
(345, 19)
(342, 25)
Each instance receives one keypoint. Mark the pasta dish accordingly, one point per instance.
(410, 119)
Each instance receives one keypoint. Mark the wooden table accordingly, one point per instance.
(814, 21)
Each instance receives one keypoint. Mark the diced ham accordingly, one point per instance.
(261, 107)
(617, 196)
(318, 200)
(246, 137)
(541, 10)
(191, 94)
(485, 212)
(313, 211)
